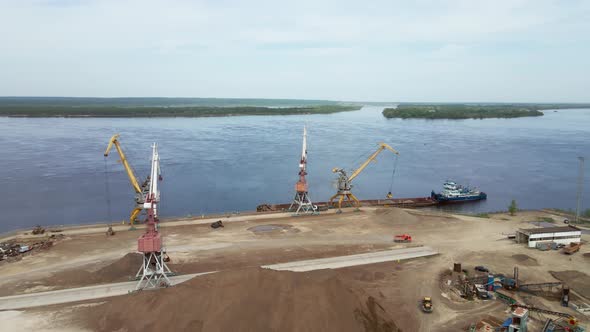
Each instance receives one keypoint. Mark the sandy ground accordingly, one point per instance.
(194, 247)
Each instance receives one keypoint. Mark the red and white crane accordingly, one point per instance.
(302, 203)
(153, 272)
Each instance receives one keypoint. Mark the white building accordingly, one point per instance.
(561, 235)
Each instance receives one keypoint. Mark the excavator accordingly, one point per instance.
(344, 181)
(141, 191)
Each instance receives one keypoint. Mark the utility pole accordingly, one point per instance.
(580, 188)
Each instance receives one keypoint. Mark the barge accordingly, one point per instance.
(415, 202)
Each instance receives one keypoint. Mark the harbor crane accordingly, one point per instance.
(344, 180)
(147, 192)
(302, 202)
(153, 272)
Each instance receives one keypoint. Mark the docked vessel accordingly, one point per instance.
(453, 192)
(415, 202)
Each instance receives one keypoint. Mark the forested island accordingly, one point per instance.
(472, 111)
(162, 107)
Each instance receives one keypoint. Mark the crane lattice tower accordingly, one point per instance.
(302, 203)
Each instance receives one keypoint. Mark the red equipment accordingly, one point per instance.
(402, 238)
(150, 241)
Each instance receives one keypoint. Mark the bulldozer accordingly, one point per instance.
(427, 304)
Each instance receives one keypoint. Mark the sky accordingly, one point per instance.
(431, 51)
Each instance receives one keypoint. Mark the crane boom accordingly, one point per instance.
(147, 194)
(303, 163)
(382, 146)
(132, 178)
(153, 195)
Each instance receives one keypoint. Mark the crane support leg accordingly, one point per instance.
(303, 204)
(340, 202)
(136, 211)
(357, 203)
(153, 272)
(333, 198)
(348, 197)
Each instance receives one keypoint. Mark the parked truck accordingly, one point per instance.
(402, 238)
(572, 248)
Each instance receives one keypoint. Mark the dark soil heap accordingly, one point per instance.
(525, 260)
(244, 300)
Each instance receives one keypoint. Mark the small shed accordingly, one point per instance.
(560, 234)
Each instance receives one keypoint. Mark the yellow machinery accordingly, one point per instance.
(140, 191)
(344, 186)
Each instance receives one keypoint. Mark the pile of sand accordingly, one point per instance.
(251, 299)
(576, 280)
(121, 270)
(396, 215)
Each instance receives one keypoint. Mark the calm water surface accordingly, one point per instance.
(53, 170)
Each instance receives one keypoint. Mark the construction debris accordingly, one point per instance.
(217, 224)
(13, 251)
(264, 208)
(38, 230)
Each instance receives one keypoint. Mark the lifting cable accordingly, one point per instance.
(360, 159)
(393, 174)
(107, 190)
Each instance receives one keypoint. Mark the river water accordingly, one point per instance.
(53, 170)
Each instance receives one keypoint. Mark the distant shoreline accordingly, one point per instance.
(63, 111)
(472, 111)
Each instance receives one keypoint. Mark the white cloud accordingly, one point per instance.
(224, 40)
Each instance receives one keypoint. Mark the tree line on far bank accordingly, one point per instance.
(472, 111)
